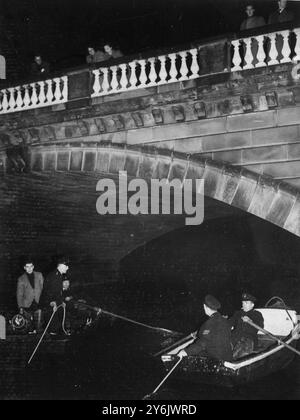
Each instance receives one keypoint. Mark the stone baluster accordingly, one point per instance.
(5, 104)
(143, 75)
(96, 86)
(12, 101)
(152, 72)
(163, 72)
(19, 100)
(114, 80)
(123, 81)
(57, 89)
(26, 97)
(261, 56)
(173, 70)
(105, 83)
(34, 95)
(42, 96)
(183, 68)
(249, 59)
(49, 95)
(297, 46)
(273, 53)
(286, 49)
(236, 60)
(65, 90)
(194, 66)
(133, 79)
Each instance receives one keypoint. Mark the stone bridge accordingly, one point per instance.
(220, 110)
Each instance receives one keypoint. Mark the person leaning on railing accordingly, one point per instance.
(252, 21)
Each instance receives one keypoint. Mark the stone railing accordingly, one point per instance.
(266, 49)
(34, 95)
(154, 71)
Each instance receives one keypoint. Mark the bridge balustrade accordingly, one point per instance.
(34, 95)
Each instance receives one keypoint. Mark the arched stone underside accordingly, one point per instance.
(273, 201)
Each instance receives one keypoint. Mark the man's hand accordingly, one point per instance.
(182, 354)
(53, 305)
(246, 319)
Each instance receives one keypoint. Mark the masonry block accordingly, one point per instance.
(293, 151)
(76, 160)
(195, 170)
(281, 208)
(89, 161)
(37, 162)
(232, 156)
(276, 135)
(244, 193)
(162, 168)
(282, 170)
(231, 180)
(50, 161)
(132, 164)
(292, 223)
(117, 162)
(251, 121)
(63, 161)
(288, 116)
(264, 154)
(178, 169)
(103, 159)
(147, 166)
(262, 200)
(226, 141)
(285, 98)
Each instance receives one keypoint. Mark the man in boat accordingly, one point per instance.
(29, 290)
(213, 339)
(244, 336)
(55, 295)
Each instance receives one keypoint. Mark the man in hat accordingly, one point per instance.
(56, 293)
(244, 336)
(213, 338)
(29, 290)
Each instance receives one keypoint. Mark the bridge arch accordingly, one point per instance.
(259, 195)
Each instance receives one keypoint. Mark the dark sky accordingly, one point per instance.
(60, 30)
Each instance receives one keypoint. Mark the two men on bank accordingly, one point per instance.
(35, 294)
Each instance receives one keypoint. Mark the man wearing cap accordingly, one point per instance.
(244, 336)
(29, 290)
(213, 338)
(56, 292)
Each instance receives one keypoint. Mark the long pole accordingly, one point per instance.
(41, 339)
(174, 345)
(164, 380)
(272, 336)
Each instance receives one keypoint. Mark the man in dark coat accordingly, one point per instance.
(244, 336)
(252, 21)
(282, 14)
(55, 294)
(213, 338)
(39, 67)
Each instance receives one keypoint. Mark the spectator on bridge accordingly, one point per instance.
(94, 56)
(29, 290)
(252, 21)
(40, 67)
(244, 336)
(282, 14)
(111, 51)
(214, 338)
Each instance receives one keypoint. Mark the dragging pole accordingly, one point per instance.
(272, 336)
(43, 335)
(146, 397)
(174, 345)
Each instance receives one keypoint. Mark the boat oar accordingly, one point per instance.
(174, 345)
(146, 397)
(272, 336)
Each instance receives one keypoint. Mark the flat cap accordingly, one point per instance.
(212, 302)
